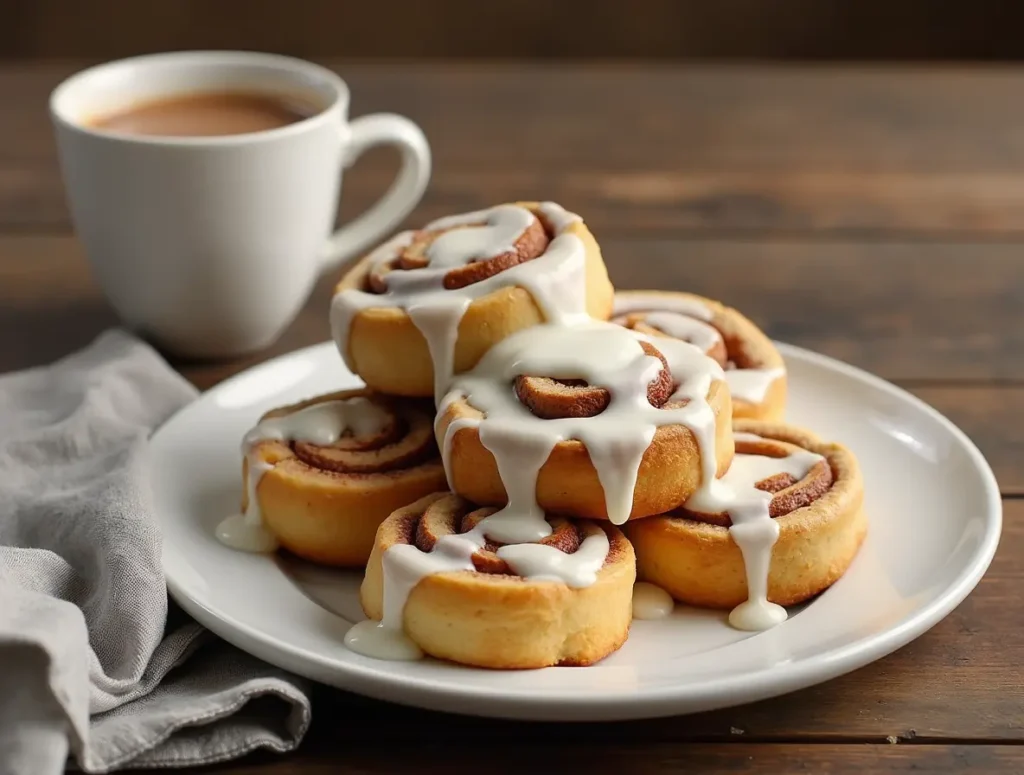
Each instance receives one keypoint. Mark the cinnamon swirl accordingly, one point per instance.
(428, 304)
(437, 581)
(591, 420)
(753, 366)
(321, 475)
(784, 524)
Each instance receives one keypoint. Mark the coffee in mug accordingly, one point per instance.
(208, 115)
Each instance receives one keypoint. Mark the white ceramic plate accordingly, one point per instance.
(933, 506)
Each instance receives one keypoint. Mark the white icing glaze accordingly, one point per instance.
(537, 562)
(321, 423)
(557, 216)
(604, 355)
(752, 384)
(372, 639)
(651, 601)
(556, 280)
(490, 233)
(608, 356)
(696, 332)
(753, 529)
(688, 319)
(569, 346)
(646, 302)
(404, 565)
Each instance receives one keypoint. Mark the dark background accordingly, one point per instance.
(399, 29)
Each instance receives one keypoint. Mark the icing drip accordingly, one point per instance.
(753, 529)
(322, 424)
(603, 354)
(606, 356)
(651, 601)
(697, 332)
(556, 280)
(686, 318)
(404, 565)
(570, 346)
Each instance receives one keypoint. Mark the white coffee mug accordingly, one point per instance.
(211, 245)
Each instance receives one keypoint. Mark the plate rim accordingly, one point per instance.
(604, 705)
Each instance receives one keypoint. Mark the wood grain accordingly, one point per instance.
(646, 759)
(829, 152)
(903, 311)
(525, 28)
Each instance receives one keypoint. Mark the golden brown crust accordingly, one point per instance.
(494, 619)
(698, 563)
(670, 470)
(743, 345)
(325, 503)
(390, 354)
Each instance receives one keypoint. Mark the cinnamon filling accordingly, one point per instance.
(405, 441)
(454, 516)
(790, 494)
(553, 399)
(531, 244)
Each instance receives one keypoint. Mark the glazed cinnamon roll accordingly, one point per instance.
(781, 526)
(429, 303)
(753, 366)
(321, 475)
(437, 581)
(591, 420)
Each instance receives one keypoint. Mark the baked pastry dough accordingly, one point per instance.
(429, 303)
(818, 512)
(617, 432)
(491, 615)
(324, 501)
(753, 366)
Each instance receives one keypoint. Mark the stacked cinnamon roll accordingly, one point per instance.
(530, 444)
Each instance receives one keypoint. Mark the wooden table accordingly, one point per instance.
(876, 215)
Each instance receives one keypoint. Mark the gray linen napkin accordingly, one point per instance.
(89, 659)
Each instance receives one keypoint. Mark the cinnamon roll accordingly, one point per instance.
(437, 581)
(591, 420)
(780, 527)
(429, 303)
(753, 366)
(321, 475)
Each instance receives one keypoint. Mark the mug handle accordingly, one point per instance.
(403, 195)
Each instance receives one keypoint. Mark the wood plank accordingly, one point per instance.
(837, 150)
(903, 311)
(524, 28)
(351, 756)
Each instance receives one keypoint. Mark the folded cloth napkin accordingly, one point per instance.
(90, 659)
